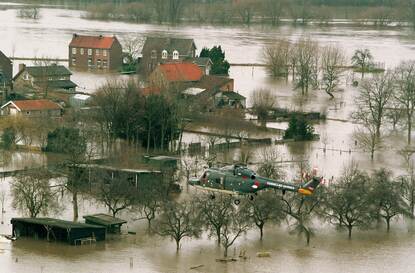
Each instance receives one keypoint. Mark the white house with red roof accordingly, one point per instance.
(32, 108)
(95, 52)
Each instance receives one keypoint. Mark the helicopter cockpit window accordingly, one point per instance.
(253, 176)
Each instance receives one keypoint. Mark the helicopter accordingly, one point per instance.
(240, 180)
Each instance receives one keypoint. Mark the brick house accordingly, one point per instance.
(43, 79)
(95, 52)
(32, 108)
(165, 50)
(6, 71)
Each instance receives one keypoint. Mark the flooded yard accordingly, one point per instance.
(329, 251)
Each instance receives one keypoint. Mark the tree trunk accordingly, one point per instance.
(177, 245)
(409, 129)
(218, 235)
(225, 252)
(388, 224)
(75, 205)
(350, 231)
(261, 231)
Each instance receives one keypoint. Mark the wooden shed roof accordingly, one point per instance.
(103, 219)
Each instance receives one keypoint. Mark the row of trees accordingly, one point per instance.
(249, 11)
(311, 66)
(355, 200)
(387, 98)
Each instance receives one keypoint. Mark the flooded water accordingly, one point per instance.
(329, 251)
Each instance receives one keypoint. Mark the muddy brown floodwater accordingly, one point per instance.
(329, 252)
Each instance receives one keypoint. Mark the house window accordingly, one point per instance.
(89, 61)
(74, 50)
(104, 63)
(164, 54)
(104, 52)
(97, 52)
(175, 55)
(82, 51)
(28, 113)
(99, 63)
(89, 51)
(153, 54)
(73, 61)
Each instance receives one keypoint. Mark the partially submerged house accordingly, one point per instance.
(57, 230)
(230, 99)
(111, 224)
(95, 52)
(43, 79)
(32, 108)
(159, 50)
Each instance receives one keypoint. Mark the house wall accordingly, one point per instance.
(12, 111)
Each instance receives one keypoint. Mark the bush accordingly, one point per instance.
(66, 140)
(299, 129)
(8, 138)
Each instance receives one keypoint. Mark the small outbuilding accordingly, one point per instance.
(57, 230)
(111, 224)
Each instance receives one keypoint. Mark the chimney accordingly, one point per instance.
(22, 67)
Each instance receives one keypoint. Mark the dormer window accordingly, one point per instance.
(153, 54)
(164, 54)
(175, 55)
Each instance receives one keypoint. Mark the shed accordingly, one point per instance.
(57, 230)
(112, 224)
(163, 161)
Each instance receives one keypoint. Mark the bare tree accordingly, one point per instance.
(269, 166)
(32, 193)
(236, 225)
(264, 208)
(307, 55)
(132, 47)
(405, 92)
(246, 10)
(363, 59)
(347, 203)
(263, 100)
(373, 99)
(276, 57)
(116, 192)
(273, 8)
(332, 62)
(216, 212)
(179, 220)
(175, 8)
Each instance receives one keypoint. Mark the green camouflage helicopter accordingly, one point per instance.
(240, 180)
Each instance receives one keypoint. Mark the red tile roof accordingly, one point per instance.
(101, 42)
(181, 72)
(25, 105)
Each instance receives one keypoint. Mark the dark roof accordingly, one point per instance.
(233, 95)
(101, 42)
(200, 61)
(50, 70)
(212, 82)
(103, 219)
(54, 222)
(3, 56)
(183, 46)
(62, 84)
